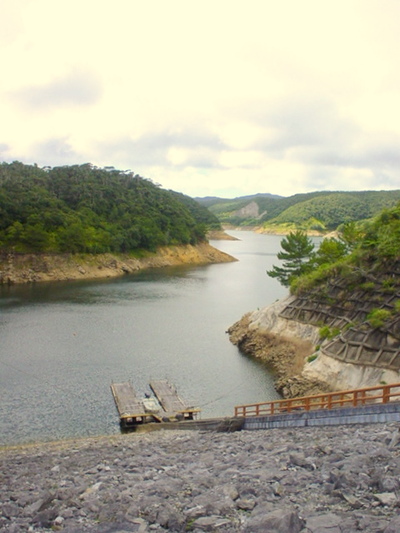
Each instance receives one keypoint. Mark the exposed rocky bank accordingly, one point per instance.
(220, 235)
(284, 345)
(28, 268)
(351, 350)
(308, 480)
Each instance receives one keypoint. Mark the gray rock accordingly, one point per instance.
(386, 498)
(279, 521)
(195, 512)
(395, 440)
(324, 523)
(253, 480)
(45, 518)
(210, 523)
(245, 504)
(394, 525)
(351, 500)
(41, 504)
(389, 484)
(9, 510)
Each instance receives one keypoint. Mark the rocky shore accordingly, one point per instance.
(308, 480)
(283, 345)
(29, 268)
(326, 338)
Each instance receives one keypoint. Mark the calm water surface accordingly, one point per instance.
(62, 344)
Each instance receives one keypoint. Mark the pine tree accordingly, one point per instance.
(298, 250)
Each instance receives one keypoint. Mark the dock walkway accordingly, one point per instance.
(170, 401)
(167, 406)
(130, 408)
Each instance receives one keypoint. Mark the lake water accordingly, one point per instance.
(62, 344)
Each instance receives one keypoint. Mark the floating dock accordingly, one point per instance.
(166, 406)
(170, 401)
(130, 409)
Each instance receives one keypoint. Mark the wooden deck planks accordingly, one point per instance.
(133, 411)
(126, 401)
(168, 397)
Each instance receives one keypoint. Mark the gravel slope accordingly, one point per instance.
(310, 480)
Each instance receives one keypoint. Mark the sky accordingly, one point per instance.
(209, 98)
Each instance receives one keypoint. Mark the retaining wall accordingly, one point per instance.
(327, 417)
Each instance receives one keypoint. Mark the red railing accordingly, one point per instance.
(330, 400)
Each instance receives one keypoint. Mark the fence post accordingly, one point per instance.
(355, 399)
(341, 400)
(386, 394)
(363, 396)
(329, 404)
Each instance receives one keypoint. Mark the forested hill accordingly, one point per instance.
(83, 208)
(320, 210)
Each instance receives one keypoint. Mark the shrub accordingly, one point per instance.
(377, 317)
(327, 333)
(368, 286)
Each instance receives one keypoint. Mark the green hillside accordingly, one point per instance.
(321, 210)
(357, 297)
(329, 211)
(83, 208)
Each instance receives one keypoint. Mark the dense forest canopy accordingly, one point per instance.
(320, 210)
(83, 208)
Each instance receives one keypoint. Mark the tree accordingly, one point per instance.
(82, 208)
(330, 251)
(351, 235)
(298, 250)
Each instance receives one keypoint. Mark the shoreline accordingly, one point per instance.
(32, 268)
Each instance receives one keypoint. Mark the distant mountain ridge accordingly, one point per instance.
(212, 200)
(319, 210)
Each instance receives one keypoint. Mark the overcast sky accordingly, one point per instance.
(210, 97)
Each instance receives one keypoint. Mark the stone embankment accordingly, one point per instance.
(308, 480)
(28, 268)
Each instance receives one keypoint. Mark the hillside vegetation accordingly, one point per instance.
(321, 211)
(371, 248)
(340, 327)
(83, 208)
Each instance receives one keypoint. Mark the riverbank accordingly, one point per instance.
(308, 480)
(220, 235)
(283, 230)
(28, 268)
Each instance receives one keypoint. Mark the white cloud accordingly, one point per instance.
(77, 88)
(239, 98)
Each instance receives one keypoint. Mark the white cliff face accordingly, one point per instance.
(336, 374)
(268, 319)
(344, 376)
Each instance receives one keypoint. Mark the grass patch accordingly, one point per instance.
(328, 333)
